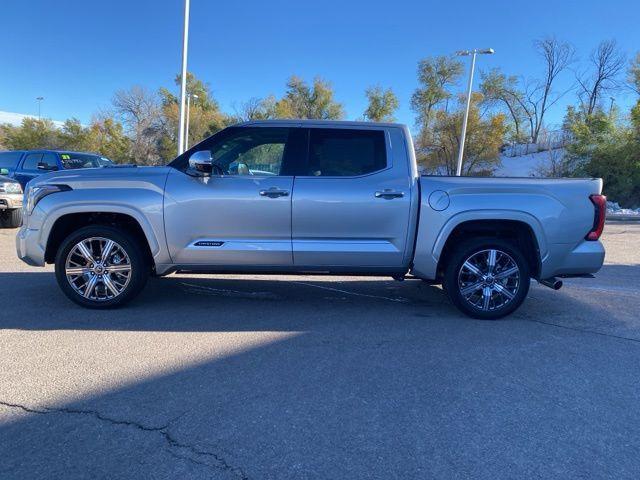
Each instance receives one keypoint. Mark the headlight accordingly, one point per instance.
(34, 194)
(10, 187)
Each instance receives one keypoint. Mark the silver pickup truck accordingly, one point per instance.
(306, 197)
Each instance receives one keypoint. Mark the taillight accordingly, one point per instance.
(600, 205)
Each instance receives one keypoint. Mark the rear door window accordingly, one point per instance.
(49, 161)
(345, 152)
(31, 161)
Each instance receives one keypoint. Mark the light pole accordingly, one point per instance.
(183, 79)
(186, 133)
(464, 53)
(39, 100)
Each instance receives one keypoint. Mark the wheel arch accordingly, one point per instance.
(521, 228)
(66, 222)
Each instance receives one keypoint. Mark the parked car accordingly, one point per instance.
(24, 165)
(310, 196)
(10, 201)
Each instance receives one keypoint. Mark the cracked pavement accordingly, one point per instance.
(232, 377)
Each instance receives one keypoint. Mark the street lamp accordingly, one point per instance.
(39, 100)
(186, 133)
(183, 79)
(465, 53)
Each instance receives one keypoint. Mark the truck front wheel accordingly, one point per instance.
(100, 267)
(487, 278)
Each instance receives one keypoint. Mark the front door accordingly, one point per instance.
(352, 201)
(241, 214)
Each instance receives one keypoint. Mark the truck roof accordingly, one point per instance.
(324, 123)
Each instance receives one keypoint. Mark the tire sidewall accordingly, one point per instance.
(139, 267)
(464, 251)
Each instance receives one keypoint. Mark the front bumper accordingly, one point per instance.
(10, 201)
(28, 246)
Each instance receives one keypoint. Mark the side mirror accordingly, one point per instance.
(201, 162)
(4, 171)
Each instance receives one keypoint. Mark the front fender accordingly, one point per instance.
(146, 211)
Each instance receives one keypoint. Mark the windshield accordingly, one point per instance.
(72, 160)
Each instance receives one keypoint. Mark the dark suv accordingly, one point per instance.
(23, 165)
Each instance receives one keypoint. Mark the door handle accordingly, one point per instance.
(389, 194)
(274, 192)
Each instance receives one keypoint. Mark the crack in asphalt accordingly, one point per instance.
(355, 294)
(583, 330)
(221, 462)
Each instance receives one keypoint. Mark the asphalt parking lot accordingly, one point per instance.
(320, 377)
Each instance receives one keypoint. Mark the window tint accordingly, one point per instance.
(31, 161)
(72, 160)
(251, 151)
(49, 160)
(345, 152)
(9, 160)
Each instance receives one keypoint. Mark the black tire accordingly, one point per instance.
(139, 265)
(11, 218)
(519, 289)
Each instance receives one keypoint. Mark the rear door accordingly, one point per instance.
(352, 200)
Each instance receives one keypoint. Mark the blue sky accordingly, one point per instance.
(77, 53)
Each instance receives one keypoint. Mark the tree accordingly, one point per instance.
(634, 74)
(303, 101)
(604, 147)
(439, 143)
(205, 117)
(257, 109)
(106, 136)
(139, 110)
(607, 62)
(382, 104)
(74, 136)
(436, 75)
(539, 95)
(31, 134)
(497, 88)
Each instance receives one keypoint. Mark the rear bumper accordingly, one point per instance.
(586, 257)
(28, 247)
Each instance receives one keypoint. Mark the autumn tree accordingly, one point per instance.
(382, 104)
(436, 77)
(257, 109)
(503, 91)
(315, 101)
(440, 142)
(205, 116)
(32, 133)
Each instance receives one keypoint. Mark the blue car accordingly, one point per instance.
(23, 165)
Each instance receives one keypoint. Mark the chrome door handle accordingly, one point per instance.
(389, 194)
(274, 192)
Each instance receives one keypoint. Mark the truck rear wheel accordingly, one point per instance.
(11, 218)
(100, 267)
(487, 278)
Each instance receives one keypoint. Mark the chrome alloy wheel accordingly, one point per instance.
(489, 279)
(98, 268)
